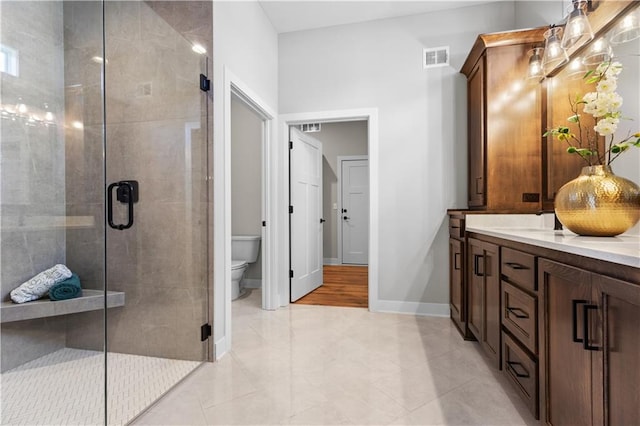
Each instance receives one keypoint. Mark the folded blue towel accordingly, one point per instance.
(67, 289)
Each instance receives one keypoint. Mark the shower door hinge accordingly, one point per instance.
(205, 83)
(290, 209)
(290, 273)
(290, 144)
(205, 332)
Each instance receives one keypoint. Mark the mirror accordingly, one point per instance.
(567, 83)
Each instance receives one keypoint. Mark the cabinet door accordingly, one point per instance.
(565, 389)
(475, 288)
(616, 367)
(476, 135)
(491, 332)
(456, 292)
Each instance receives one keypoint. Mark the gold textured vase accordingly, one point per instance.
(598, 203)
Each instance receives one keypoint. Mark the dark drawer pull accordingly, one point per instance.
(456, 264)
(514, 265)
(512, 366)
(574, 319)
(476, 265)
(481, 190)
(518, 313)
(585, 324)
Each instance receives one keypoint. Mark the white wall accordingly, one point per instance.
(422, 125)
(539, 13)
(244, 43)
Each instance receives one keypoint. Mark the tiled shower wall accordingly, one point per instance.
(155, 134)
(32, 168)
(153, 108)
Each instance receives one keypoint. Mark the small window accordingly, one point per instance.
(8, 60)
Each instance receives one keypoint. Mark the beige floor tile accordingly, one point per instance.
(323, 365)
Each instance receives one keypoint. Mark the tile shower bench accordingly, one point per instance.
(91, 300)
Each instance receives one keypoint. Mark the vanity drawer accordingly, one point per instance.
(456, 228)
(522, 371)
(520, 315)
(519, 268)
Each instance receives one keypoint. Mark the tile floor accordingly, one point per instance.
(66, 387)
(328, 365)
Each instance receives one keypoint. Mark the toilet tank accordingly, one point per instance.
(245, 247)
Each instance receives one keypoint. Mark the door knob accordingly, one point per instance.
(345, 218)
(322, 220)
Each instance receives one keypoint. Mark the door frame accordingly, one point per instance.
(282, 292)
(342, 158)
(222, 207)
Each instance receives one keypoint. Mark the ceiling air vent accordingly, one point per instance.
(310, 127)
(435, 57)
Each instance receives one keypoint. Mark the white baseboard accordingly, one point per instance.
(331, 261)
(252, 283)
(220, 348)
(412, 308)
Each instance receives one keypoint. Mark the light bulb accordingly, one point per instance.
(199, 49)
(578, 30)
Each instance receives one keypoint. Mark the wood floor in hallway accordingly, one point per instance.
(343, 285)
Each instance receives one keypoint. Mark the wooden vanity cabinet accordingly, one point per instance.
(519, 319)
(457, 278)
(483, 296)
(503, 123)
(589, 346)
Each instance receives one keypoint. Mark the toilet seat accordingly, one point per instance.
(238, 264)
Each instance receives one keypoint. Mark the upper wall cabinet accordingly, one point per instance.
(504, 123)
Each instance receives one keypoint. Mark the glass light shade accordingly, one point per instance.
(535, 63)
(576, 69)
(599, 51)
(627, 29)
(554, 54)
(577, 30)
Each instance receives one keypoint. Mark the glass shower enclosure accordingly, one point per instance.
(104, 163)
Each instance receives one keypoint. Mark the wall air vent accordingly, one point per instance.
(310, 127)
(435, 57)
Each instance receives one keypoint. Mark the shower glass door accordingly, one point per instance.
(156, 172)
(104, 165)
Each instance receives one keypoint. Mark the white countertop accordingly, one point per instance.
(623, 249)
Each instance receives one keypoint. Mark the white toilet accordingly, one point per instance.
(244, 250)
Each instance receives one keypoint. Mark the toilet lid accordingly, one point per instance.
(237, 264)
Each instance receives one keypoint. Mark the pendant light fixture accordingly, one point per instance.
(599, 51)
(554, 54)
(577, 30)
(576, 69)
(535, 63)
(627, 29)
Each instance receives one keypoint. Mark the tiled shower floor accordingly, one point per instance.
(67, 387)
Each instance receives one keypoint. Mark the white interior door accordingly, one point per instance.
(306, 226)
(355, 211)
